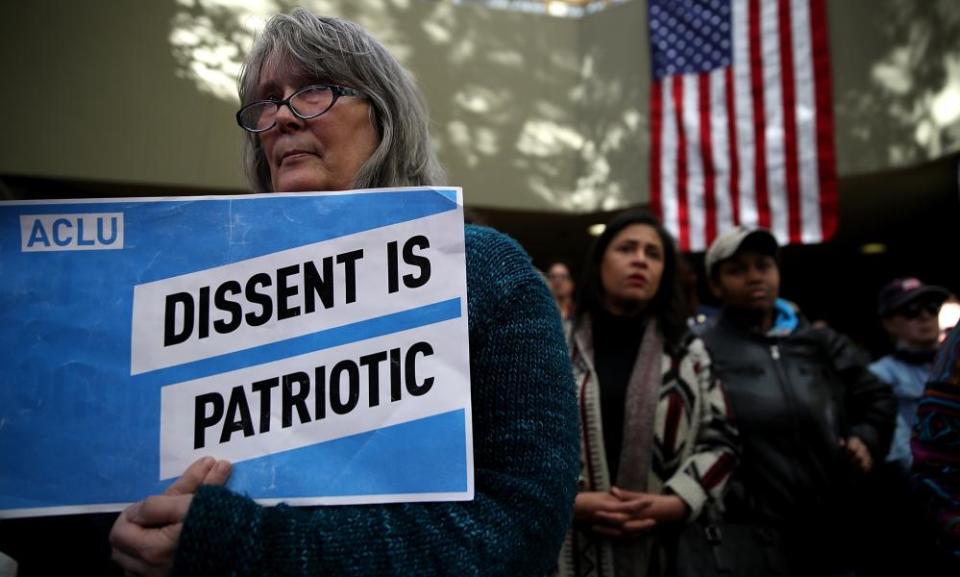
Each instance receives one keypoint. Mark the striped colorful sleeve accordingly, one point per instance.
(936, 445)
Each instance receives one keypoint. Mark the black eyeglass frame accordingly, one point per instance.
(913, 309)
(334, 89)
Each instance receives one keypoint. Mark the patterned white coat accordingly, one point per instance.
(694, 447)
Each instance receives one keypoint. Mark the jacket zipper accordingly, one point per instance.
(788, 398)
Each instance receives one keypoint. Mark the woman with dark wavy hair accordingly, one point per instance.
(656, 441)
(326, 107)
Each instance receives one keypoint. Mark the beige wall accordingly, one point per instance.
(529, 111)
(109, 90)
(90, 92)
(613, 112)
(896, 81)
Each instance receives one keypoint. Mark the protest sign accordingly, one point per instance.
(318, 341)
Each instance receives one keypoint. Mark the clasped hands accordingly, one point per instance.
(144, 537)
(620, 513)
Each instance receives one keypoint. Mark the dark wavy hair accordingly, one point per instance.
(667, 305)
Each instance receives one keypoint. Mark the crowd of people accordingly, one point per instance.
(612, 436)
(837, 466)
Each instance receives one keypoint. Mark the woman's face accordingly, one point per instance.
(321, 154)
(632, 268)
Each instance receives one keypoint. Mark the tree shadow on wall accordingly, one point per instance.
(504, 89)
(904, 107)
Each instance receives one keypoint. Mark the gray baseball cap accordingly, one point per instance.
(728, 244)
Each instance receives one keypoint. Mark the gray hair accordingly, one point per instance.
(341, 52)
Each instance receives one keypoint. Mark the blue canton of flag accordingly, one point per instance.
(688, 37)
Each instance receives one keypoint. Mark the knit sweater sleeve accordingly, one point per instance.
(703, 476)
(525, 459)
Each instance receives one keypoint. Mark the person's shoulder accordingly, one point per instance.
(885, 368)
(823, 334)
(883, 364)
(693, 347)
(486, 242)
(719, 331)
(495, 258)
(714, 336)
(500, 271)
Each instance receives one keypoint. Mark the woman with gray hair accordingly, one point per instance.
(313, 49)
(327, 108)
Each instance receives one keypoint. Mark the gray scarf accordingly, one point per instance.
(633, 558)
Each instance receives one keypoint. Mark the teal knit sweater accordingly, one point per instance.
(525, 456)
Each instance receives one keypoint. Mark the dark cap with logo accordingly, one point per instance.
(902, 291)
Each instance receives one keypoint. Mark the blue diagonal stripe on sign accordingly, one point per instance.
(422, 456)
(325, 339)
(449, 194)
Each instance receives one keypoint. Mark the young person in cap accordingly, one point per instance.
(908, 309)
(812, 418)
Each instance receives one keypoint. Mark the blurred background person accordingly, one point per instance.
(657, 444)
(936, 459)
(813, 420)
(908, 309)
(563, 288)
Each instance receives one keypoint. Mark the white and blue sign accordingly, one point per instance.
(318, 341)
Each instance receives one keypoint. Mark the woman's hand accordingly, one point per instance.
(662, 508)
(622, 513)
(635, 513)
(611, 516)
(144, 537)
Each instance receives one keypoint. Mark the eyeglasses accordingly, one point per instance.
(916, 308)
(306, 103)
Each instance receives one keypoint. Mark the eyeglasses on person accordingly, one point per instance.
(914, 309)
(306, 103)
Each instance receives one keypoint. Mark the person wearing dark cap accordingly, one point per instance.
(908, 309)
(813, 420)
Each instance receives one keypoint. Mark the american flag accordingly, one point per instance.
(741, 119)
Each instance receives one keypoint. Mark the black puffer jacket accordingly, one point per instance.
(794, 397)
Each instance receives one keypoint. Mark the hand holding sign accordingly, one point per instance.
(145, 535)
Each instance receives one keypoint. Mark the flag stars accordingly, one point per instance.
(688, 36)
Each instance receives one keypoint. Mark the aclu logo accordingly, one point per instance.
(79, 231)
